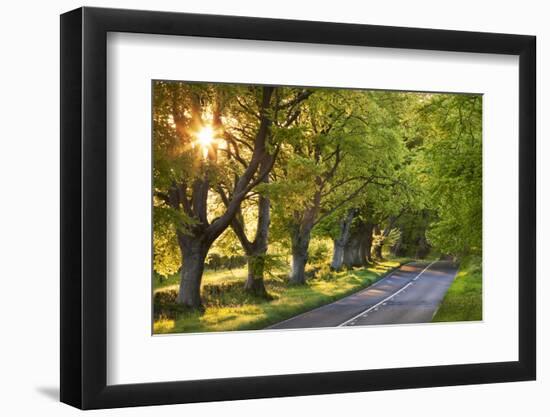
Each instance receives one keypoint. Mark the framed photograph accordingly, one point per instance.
(257, 208)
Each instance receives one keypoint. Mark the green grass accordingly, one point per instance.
(463, 301)
(232, 309)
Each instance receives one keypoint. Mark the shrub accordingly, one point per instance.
(165, 306)
(319, 251)
(216, 261)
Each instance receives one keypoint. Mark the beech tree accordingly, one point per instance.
(341, 241)
(186, 122)
(331, 161)
(286, 108)
(386, 194)
(357, 250)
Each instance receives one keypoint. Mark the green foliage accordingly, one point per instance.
(215, 261)
(166, 253)
(409, 163)
(348, 150)
(273, 263)
(412, 226)
(387, 241)
(319, 250)
(452, 163)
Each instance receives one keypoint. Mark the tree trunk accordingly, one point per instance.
(300, 246)
(255, 280)
(378, 252)
(352, 251)
(257, 249)
(342, 240)
(366, 243)
(357, 251)
(423, 248)
(337, 256)
(377, 249)
(395, 250)
(256, 256)
(192, 197)
(193, 254)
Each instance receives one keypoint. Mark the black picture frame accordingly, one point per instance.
(84, 207)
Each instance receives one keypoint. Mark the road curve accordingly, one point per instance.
(411, 294)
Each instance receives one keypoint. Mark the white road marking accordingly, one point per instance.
(375, 307)
(380, 281)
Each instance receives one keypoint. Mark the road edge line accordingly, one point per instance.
(388, 274)
(387, 298)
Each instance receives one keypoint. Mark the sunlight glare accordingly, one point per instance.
(205, 136)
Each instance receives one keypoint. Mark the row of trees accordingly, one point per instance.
(266, 165)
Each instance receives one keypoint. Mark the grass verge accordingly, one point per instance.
(232, 309)
(463, 301)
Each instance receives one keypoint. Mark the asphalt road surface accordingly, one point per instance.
(411, 294)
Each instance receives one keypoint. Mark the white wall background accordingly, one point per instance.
(29, 220)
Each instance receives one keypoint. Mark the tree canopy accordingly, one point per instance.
(260, 171)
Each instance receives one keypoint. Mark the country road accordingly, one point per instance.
(411, 294)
